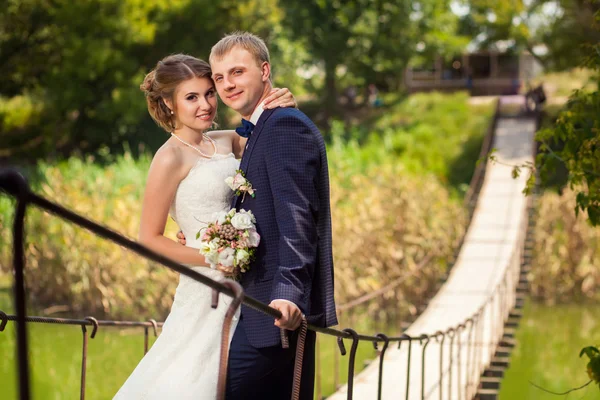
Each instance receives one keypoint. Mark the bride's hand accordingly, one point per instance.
(280, 98)
(181, 238)
(227, 271)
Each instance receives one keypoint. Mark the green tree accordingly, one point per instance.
(73, 61)
(489, 21)
(72, 69)
(366, 41)
(565, 27)
(577, 130)
(324, 28)
(553, 31)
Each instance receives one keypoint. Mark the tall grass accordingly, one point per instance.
(566, 252)
(70, 269)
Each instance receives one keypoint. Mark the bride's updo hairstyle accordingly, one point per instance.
(161, 82)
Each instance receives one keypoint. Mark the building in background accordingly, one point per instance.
(481, 73)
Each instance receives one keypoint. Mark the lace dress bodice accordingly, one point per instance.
(202, 193)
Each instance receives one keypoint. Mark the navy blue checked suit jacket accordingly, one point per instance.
(286, 163)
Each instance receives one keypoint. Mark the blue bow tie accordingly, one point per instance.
(246, 129)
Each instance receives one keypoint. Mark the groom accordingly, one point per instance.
(286, 163)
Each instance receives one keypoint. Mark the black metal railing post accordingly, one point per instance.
(409, 339)
(84, 352)
(15, 184)
(427, 339)
(450, 333)
(441, 342)
(351, 359)
(155, 328)
(386, 342)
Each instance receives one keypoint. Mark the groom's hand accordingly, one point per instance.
(291, 316)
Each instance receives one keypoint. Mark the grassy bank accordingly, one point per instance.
(549, 340)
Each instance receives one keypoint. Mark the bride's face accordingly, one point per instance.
(195, 103)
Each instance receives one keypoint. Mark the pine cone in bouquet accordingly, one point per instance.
(227, 232)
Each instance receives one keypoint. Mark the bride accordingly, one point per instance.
(186, 180)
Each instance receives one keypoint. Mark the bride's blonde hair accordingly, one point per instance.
(161, 82)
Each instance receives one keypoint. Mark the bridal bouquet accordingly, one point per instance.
(230, 241)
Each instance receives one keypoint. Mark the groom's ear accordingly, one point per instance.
(265, 71)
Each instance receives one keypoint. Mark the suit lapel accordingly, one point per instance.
(250, 146)
(254, 137)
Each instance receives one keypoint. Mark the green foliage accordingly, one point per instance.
(593, 367)
(429, 133)
(18, 112)
(568, 31)
(496, 20)
(573, 143)
(72, 69)
(555, 32)
(359, 45)
(578, 128)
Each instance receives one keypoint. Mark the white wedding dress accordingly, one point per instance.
(183, 363)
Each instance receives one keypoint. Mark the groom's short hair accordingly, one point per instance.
(246, 40)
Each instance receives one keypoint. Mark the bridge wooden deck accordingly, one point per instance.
(483, 280)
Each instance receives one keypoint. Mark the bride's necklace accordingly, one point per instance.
(204, 136)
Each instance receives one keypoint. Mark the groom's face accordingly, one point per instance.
(240, 80)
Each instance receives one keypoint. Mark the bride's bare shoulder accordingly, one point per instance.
(223, 133)
(169, 155)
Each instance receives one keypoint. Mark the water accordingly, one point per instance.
(549, 340)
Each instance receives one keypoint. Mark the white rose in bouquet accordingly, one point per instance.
(242, 221)
(250, 214)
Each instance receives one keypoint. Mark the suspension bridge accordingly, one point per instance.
(461, 342)
(457, 348)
